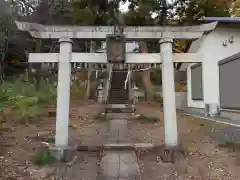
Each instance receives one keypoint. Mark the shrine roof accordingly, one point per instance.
(221, 19)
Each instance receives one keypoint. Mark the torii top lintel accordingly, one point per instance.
(130, 32)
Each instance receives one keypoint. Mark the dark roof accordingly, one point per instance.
(221, 19)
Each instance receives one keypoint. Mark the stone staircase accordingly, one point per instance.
(118, 94)
(118, 99)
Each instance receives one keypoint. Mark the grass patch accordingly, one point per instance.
(147, 118)
(51, 140)
(100, 117)
(43, 157)
(234, 145)
(226, 143)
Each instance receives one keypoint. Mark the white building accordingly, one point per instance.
(216, 80)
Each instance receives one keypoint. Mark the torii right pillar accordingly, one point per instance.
(169, 104)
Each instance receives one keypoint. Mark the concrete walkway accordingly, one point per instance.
(119, 165)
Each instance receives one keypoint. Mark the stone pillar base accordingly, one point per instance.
(64, 154)
(172, 154)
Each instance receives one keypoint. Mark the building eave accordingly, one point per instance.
(220, 19)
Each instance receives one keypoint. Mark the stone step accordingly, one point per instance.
(111, 110)
(118, 102)
(118, 88)
(119, 105)
(127, 116)
(119, 108)
(121, 92)
(119, 95)
(118, 98)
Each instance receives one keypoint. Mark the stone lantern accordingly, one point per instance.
(100, 93)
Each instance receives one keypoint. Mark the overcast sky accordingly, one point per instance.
(124, 7)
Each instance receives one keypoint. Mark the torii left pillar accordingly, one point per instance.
(63, 97)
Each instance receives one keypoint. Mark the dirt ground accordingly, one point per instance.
(205, 160)
(145, 132)
(19, 142)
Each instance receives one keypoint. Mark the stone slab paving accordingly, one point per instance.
(119, 165)
(129, 168)
(117, 131)
(110, 165)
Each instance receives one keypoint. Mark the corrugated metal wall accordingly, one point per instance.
(196, 81)
(229, 82)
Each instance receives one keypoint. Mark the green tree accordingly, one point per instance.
(190, 11)
(141, 13)
(235, 7)
(147, 13)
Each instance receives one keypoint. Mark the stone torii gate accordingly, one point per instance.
(165, 35)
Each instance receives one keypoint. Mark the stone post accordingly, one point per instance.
(130, 89)
(169, 104)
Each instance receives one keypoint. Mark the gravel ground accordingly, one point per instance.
(205, 159)
(85, 167)
(229, 133)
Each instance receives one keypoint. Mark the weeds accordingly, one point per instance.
(29, 99)
(234, 145)
(51, 140)
(26, 100)
(226, 143)
(147, 118)
(158, 99)
(43, 157)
